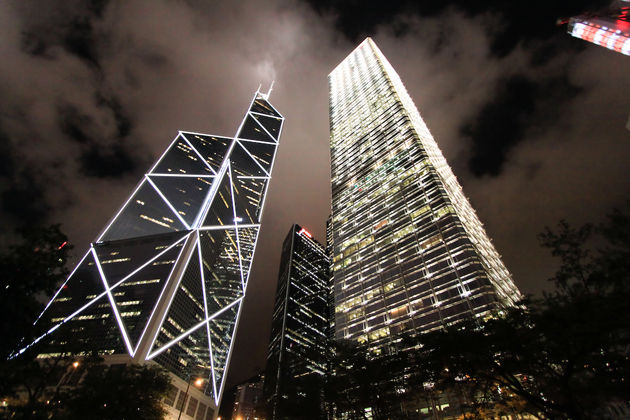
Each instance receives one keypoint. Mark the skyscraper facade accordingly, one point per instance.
(295, 364)
(409, 253)
(165, 279)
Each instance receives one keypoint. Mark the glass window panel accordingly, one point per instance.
(145, 214)
(264, 107)
(211, 148)
(182, 159)
(252, 130)
(272, 125)
(221, 331)
(185, 194)
(221, 210)
(248, 194)
(243, 164)
(221, 268)
(262, 152)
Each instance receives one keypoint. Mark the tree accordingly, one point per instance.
(118, 392)
(564, 355)
(360, 380)
(31, 270)
(32, 267)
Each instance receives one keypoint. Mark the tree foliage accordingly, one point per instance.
(564, 355)
(118, 392)
(31, 269)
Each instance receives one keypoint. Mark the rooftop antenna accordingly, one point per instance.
(266, 95)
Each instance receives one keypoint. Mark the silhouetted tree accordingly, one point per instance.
(564, 355)
(118, 392)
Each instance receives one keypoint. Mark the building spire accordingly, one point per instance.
(266, 95)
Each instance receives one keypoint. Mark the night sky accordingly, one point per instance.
(532, 121)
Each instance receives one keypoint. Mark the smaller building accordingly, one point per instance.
(295, 362)
(248, 400)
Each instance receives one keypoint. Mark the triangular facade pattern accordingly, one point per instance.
(166, 277)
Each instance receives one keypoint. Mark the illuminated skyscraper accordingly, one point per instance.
(165, 279)
(295, 364)
(410, 253)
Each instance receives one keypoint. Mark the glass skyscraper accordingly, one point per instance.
(165, 279)
(295, 361)
(409, 253)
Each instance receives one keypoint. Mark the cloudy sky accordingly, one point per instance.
(531, 120)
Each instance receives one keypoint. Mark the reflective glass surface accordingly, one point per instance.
(221, 268)
(243, 163)
(221, 210)
(252, 130)
(271, 124)
(262, 152)
(211, 148)
(248, 194)
(185, 194)
(145, 214)
(181, 158)
(221, 333)
(262, 106)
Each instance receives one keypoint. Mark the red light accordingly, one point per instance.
(62, 245)
(305, 232)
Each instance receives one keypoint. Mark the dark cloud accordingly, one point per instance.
(519, 21)
(500, 125)
(7, 165)
(22, 200)
(101, 157)
(124, 122)
(520, 105)
(71, 28)
(75, 124)
(78, 39)
(113, 162)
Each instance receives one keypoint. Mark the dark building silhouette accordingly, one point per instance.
(295, 361)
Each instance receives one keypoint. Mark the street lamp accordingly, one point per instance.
(198, 383)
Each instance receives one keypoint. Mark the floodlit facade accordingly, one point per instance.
(610, 30)
(165, 279)
(299, 329)
(409, 253)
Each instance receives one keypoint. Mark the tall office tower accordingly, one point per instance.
(295, 365)
(165, 279)
(409, 251)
